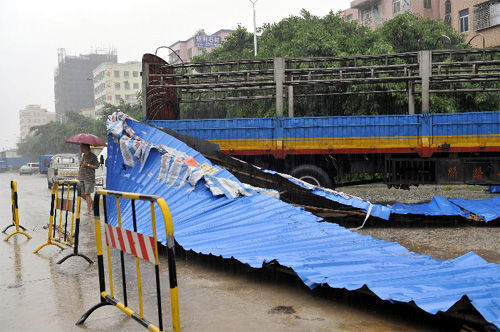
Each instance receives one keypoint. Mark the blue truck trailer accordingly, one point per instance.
(407, 149)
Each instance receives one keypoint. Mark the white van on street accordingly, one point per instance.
(62, 167)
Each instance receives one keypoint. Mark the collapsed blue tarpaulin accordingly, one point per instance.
(258, 229)
(377, 210)
(380, 211)
(488, 209)
(438, 206)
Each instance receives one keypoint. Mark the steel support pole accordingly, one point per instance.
(145, 80)
(254, 28)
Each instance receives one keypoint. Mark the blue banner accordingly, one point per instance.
(207, 41)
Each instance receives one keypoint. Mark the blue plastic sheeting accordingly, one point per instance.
(488, 209)
(380, 211)
(258, 229)
(494, 189)
(438, 206)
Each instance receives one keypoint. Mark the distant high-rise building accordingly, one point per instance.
(114, 82)
(73, 86)
(33, 115)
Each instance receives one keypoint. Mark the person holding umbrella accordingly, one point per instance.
(86, 174)
(88, 165)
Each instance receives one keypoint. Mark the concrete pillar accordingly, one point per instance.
(279, 78)
(411, 98)
(425, 70)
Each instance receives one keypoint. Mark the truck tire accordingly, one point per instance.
(312, 174)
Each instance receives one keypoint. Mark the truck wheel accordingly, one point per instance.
(312, 174)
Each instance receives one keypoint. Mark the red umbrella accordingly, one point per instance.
(86, 139)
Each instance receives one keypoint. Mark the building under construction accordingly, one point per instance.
(73, 86)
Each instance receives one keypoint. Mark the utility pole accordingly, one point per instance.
(254, 28)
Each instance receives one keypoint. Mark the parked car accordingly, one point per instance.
(62, 167)
(29, 168)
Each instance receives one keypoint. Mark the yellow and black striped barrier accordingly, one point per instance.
(58, 232)
(140, 246)
(15, 213)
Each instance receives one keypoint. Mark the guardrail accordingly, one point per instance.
(58, 233)
(142, 247)
(15, 213)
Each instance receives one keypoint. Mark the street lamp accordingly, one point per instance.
(254, 28)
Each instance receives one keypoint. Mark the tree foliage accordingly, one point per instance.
(408, 32)
(49, 138)
(307, 35)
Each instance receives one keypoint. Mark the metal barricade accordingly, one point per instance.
(58, 233)
(15, 213)
(140, 246)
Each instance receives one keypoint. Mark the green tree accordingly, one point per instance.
(307, 35)
(49, 138)
(408, 32)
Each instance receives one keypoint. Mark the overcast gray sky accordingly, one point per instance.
(31, 31)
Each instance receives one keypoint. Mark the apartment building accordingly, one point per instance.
(33, 115)
(374, 13)
(196, 45)
(114, 82)
(479, 20)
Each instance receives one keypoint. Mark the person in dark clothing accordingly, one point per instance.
(86, 174)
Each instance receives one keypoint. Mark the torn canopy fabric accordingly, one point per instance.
(176, 167)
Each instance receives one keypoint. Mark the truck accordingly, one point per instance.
(404, 149)
(44, 163)
(62, 167)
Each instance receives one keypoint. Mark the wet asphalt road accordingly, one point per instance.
(39, 295)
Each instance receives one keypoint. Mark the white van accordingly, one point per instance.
(62, 167)
(100, 173)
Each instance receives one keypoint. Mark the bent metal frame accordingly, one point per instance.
(140, 246)
(58, 236)
(15, 213)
